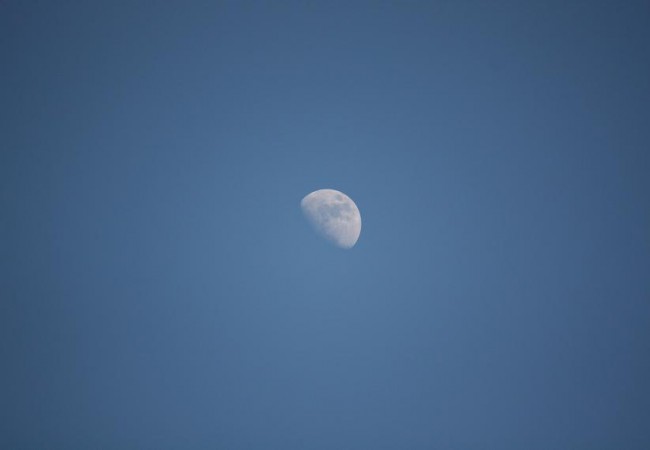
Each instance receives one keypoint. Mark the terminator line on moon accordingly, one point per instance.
(334, 216)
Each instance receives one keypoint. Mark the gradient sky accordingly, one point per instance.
(160, 289)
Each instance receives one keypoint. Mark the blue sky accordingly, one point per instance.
(160, 288)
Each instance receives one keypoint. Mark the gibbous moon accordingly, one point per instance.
(334, 216)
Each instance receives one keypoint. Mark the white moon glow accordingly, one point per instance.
(334, 216)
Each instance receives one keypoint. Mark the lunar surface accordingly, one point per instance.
(334, 216)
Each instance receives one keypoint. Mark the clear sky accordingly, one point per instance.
(160, 289)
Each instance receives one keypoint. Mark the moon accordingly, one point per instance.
(334, 216)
